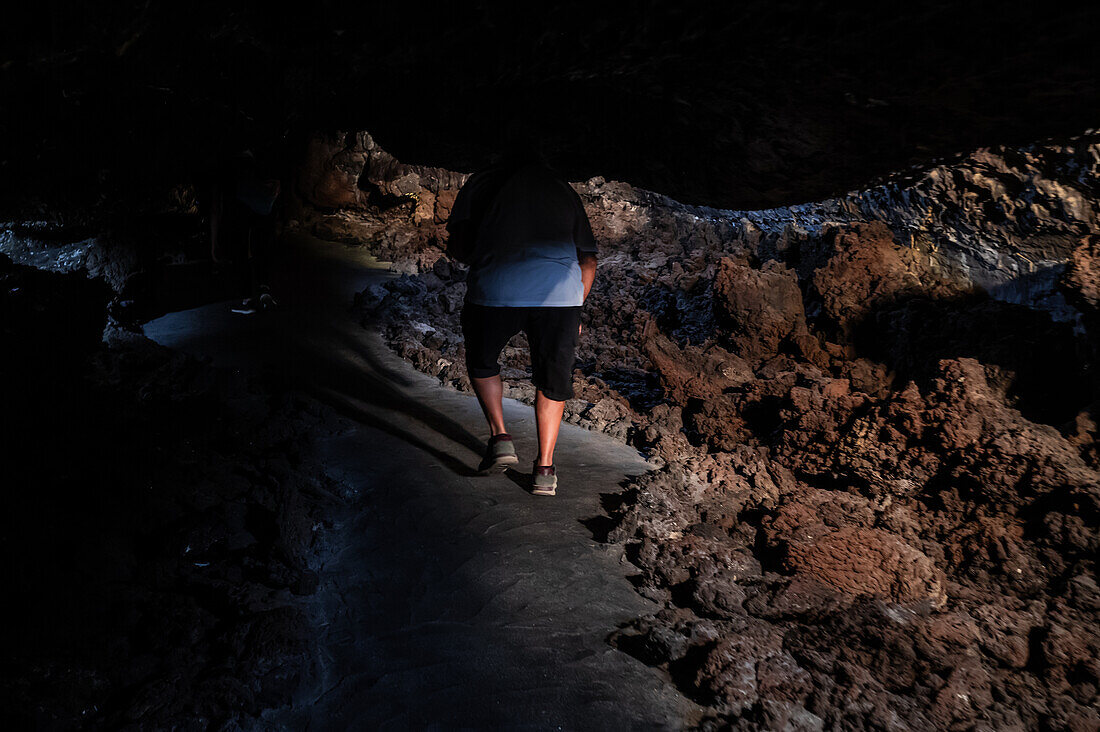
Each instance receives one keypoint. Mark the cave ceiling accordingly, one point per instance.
(736, 105)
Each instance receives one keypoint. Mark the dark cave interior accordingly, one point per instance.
(852, 312)
(738, 105)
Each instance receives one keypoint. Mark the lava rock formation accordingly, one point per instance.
(878, 500)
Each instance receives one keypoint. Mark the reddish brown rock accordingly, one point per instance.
(444, 200)
(1081, 281)
(329, 175)
(866, 270)
(693, 372)
(760, 308)
(830, 537)
(872, 477)
(869, 562)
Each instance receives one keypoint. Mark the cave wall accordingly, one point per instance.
(873, 420)
(1002, 220)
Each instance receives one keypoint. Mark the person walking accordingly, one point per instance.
(242, 226)
(532, 257)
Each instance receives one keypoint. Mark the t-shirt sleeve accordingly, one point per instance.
(462, 209)
(582, 228)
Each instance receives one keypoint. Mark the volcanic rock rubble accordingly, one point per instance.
(163, 517)
(873, 419)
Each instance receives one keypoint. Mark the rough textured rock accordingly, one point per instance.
(1081, 281)
(758, 309)
(867, 562)
(878, 503)
(156, 572)
(865, 270)
(348, 170)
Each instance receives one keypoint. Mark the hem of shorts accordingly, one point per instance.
(481, 373)
(552, 397)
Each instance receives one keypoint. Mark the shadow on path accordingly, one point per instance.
(446, 600)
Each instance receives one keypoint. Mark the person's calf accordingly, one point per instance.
(548, 415)
(490, 395)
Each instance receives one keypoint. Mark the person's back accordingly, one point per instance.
(242, 225)
(526, 249)
(532, 265)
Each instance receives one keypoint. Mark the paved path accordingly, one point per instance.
(449, 600)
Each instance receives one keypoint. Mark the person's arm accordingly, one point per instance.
(587, 261)
(216, 224)
(460, 241)
(586, 246)
(461, 231)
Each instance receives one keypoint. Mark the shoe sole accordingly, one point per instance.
(545, 490)
(500, 465)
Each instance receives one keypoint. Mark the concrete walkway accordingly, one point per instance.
(449, 600)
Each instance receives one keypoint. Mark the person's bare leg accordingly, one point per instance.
(548, 414)
(490, 393)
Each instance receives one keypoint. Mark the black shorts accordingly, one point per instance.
(551, 332)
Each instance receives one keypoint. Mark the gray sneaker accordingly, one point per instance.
(500, 454)
(544, 480)
(249, 307)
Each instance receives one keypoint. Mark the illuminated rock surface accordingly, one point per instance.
(875, 420)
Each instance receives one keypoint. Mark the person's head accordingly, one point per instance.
(520, 143)
(521, 149)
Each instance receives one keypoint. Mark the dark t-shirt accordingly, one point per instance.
(525, 254)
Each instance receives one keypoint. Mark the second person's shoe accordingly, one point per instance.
(499, 456)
